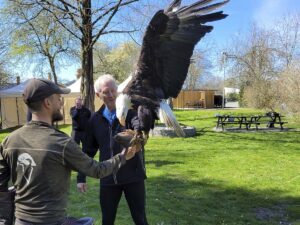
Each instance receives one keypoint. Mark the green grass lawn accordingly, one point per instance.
(214, 177)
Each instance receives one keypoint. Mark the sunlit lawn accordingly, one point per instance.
(214, 177)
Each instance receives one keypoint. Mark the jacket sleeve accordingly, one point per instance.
(6, 197)
(89, 147)
(78, 161)
(73, 113)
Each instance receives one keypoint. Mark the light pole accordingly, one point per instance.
(224, 58)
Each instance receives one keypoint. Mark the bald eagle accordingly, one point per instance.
(163, 64)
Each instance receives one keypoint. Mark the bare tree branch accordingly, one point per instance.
(118, 31)
(116, 7)
(60, 22)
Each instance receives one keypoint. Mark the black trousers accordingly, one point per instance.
(78, 136)
(136, 199)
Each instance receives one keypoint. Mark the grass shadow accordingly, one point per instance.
(176, 201)
(160, 163)
(173, 201)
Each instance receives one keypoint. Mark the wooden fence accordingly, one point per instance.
(195, 99)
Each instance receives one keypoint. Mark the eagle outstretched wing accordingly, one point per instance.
(168, 46)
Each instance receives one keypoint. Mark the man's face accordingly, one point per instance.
(78, 103)
(109, 94)
(57, 103)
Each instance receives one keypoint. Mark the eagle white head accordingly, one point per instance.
(123, 104)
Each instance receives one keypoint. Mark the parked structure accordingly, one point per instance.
(195, 99)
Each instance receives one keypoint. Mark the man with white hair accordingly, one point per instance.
(102, 127)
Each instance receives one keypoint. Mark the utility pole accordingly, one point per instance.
(224, 58)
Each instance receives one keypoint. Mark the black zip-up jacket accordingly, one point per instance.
(80, 118)
(100, 136)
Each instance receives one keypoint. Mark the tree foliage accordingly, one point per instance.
(119, 62)
(288, 88)
(199, 67)
(5, 76)
(85, 21)
(39, 37)
(257, 61)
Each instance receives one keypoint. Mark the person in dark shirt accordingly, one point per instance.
(80, 116)
(102, 126)
(28, 115)
(37, 159)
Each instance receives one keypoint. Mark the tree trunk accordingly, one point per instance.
(52, 65)
(87, 81)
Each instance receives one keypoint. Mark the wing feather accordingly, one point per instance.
(173, 6)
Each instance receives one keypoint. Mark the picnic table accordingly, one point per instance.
(270, 119)
(229, 119)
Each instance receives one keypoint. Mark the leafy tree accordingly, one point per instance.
(199, 67)
(252, 63)
(85, 20)
(5, 76)
(119, 62)
(41, 38)
(288, 88)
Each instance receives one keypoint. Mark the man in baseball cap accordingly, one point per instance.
(38, 159)
(45, 96)
(39, 89)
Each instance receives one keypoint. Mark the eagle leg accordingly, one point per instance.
(138, 139)
(145, 137)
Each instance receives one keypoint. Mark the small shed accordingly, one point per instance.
(195, 99)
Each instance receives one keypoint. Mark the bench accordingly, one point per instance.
(235, 122)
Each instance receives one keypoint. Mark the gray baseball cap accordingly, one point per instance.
(39, 89)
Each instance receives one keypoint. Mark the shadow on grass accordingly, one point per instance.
(160, 163)
(175, 201)
(202, 131)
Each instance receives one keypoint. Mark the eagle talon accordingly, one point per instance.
(137, 139)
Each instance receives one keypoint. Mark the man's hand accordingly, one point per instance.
(82, 187)
(130, 152)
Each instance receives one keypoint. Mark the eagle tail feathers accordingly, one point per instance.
(167, 117)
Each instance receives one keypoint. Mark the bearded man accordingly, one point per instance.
(38, 160)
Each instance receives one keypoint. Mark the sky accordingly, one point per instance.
(241, 15)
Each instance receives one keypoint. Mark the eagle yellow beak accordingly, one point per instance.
(122, 121)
